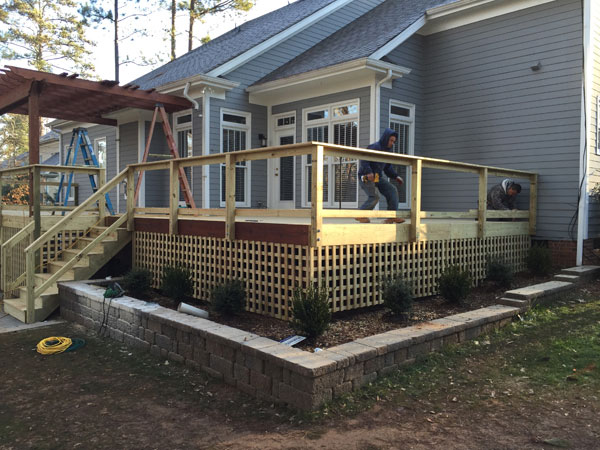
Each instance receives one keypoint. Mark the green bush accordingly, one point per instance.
(176, 282)
(455, 284)
(138, 282)
(539, 260)
(310, 311)
(499, 272)
(397, 296)
(229, 298)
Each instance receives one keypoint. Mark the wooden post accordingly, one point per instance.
(101, 202)
(317, 197)
(30, 283)
(34, 134)
(415, 207)
(230, 196)
(130, 199)
(482, 205)
(35, 199)
(533, 204)
(173, 195)
(1, 217)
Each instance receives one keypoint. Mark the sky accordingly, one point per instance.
(156, 24)
(214, 27)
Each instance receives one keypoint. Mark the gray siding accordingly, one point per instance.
(157, 181)
(364, 96)
(197, 181)
(594, 159)
(128, 147)
(483, 104)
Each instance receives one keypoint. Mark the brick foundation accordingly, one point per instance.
(564, 253)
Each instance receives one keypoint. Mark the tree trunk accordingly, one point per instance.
(191, 30)
(117, 40)
(173, 12)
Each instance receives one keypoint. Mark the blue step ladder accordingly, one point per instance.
(82, 141)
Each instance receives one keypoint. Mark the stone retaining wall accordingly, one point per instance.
(262, 367)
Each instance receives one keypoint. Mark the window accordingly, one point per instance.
(402, 121)
(235, 136)
(182, 128)
(100, 151)
(335, 124)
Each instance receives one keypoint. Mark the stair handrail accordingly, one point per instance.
(83, 253)
(23, 233)
(32, 293)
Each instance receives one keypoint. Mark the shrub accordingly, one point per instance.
(176, 282)
(229, 298)
(499, 272)
(539, 260)
(397, 296)
(310, 311)
(138, 281)
(455, 284)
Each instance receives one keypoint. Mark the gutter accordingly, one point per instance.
(377, 114)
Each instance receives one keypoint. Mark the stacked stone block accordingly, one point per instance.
(261, 367)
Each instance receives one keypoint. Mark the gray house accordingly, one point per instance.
(510, 83)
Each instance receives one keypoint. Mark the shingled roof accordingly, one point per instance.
(231, 44)
(359, 39)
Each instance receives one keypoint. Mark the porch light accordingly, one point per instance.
(262, 139)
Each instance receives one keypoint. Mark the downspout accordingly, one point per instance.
(582, 218)
(378, 85)
(186, 94)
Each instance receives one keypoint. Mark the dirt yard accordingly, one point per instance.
(534, 385)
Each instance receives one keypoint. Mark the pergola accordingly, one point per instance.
(42, 94)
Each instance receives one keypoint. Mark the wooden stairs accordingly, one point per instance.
(85, 268)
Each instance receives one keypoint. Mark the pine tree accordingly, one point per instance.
(14, 135)
(48, 34)
(199, 9)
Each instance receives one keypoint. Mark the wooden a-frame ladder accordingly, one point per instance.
(185, 186)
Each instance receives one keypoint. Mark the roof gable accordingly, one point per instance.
(359, 39)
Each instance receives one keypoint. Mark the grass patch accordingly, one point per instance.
(550, 348)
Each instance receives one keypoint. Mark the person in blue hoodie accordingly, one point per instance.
(372, 180)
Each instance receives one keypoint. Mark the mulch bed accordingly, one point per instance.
(351, 325)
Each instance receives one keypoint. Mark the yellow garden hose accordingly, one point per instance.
(54, 344)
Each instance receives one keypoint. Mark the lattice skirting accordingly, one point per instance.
(352, 272)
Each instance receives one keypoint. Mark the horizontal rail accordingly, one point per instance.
(49, 168)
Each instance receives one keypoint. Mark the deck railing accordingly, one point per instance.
(316, 213)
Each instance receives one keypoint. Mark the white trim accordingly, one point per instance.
(407, 33)
(97, 154)
(247, 127)
(584, 154)
(273, 163)
(336, 69)
(411, 142)
(329, 122)
(464, 12)
(141, 148)
(264, 46)
(184, 127)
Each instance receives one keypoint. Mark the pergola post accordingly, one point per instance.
(34, 140)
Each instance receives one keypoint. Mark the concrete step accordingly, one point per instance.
(584, 272)
(567, 278)
(538, 290)
(521, 304)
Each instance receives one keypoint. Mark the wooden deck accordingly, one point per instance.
(275, 251)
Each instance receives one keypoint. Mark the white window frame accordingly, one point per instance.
(276, 130)
(66, 180)
(330, 122)
(184, 127)
(248, 129)
(410, 121)
(97, 153)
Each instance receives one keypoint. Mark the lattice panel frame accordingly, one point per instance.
(352, 272)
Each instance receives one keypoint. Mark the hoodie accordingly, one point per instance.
(367, 167)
